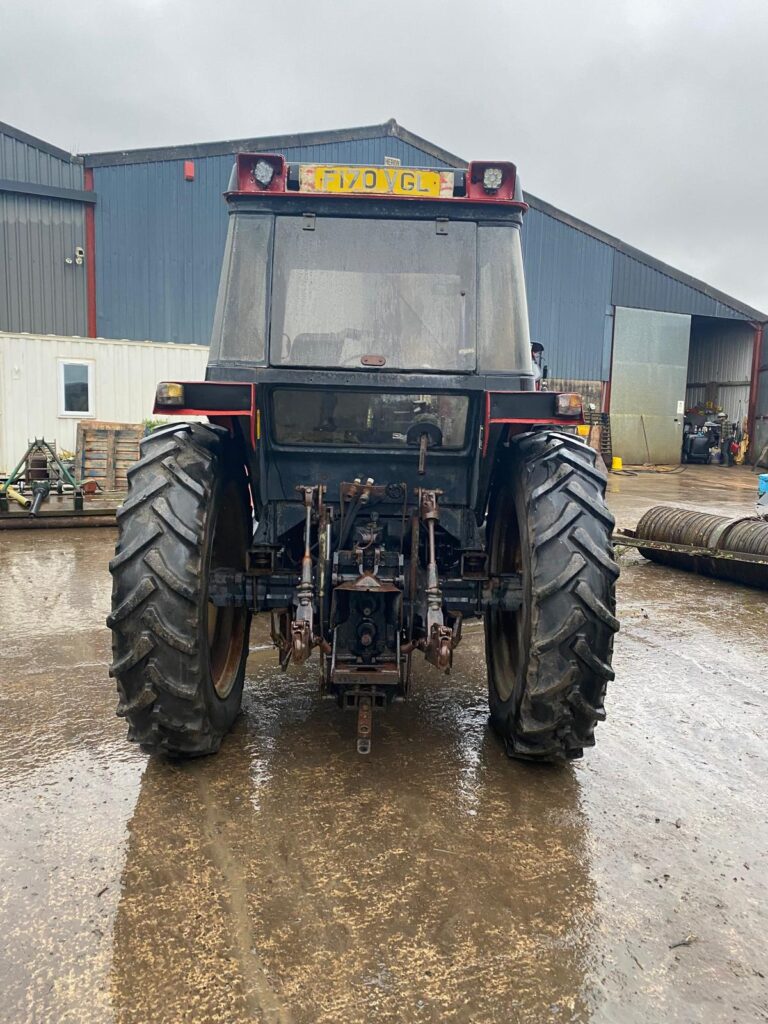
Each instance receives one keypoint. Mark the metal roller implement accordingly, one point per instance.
(728, 549)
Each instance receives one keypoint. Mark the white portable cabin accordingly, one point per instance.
(49, 383)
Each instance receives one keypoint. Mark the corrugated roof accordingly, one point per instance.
(24, 158)
(279, 143)
(31, 140)
(714, 294)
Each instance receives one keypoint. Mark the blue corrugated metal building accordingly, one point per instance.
(160, 240)
(42, 227)
(159, 235)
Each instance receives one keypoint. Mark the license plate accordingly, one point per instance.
(384, 181)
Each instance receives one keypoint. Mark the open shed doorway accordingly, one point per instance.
(668, 364)
(718, 388)
(720, 366)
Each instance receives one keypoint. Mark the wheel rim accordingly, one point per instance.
(505, 629)
(226, 626)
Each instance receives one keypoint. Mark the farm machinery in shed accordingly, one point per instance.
(378, 468)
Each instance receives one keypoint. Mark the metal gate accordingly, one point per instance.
(648, 380)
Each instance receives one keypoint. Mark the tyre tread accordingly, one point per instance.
(157, 658)
(573, 574)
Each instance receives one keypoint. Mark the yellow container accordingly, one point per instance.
(583, 430)
(617, 463)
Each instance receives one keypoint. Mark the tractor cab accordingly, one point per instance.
(370, 306)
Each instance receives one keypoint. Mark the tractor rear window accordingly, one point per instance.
(370, 419)
(345, 289)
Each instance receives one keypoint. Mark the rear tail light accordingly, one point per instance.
(170, 394)
(568, 404)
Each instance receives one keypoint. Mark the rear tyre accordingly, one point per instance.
(550, 660)
(179, 661)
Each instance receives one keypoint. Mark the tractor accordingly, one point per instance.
(371, 462)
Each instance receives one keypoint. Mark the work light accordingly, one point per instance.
(263, 172)
(492, 179)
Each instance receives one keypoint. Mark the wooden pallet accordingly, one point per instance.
(106, 450)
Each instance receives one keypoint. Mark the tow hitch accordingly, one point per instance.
(364, 725)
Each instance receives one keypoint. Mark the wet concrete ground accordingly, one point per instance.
(289, 879)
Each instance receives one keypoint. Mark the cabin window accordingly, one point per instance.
(76, 388)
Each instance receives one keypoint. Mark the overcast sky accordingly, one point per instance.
(646, 118)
